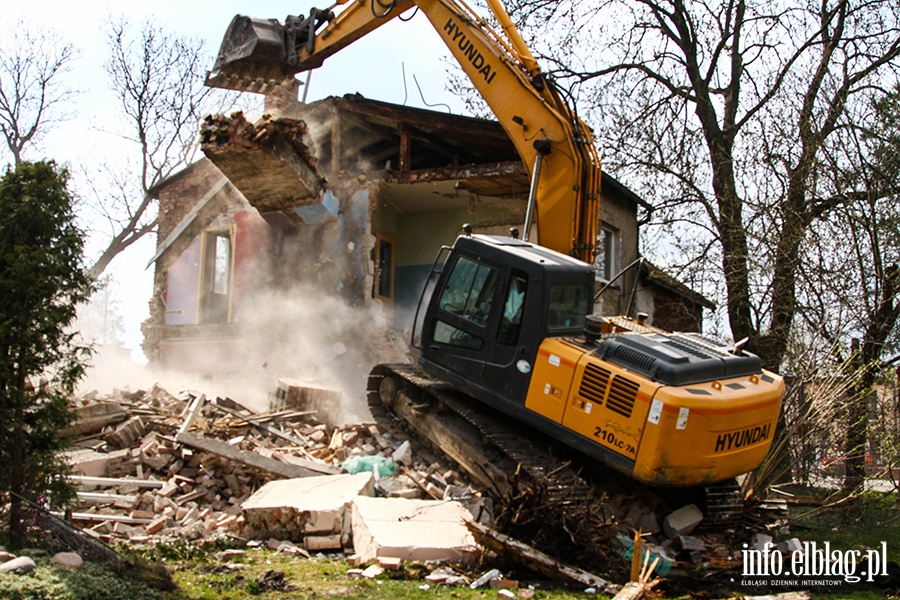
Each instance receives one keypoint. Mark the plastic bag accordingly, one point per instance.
(367, 464)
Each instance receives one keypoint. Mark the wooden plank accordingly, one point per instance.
(193, 411)
(250, 459)
(533, 558)
(115, 481)
(301, 444)
(101, 498)
(79, 516)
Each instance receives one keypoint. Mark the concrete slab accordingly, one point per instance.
(413, 530)
(87, 462)
(290, 509)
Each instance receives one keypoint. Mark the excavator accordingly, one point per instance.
(509, 322)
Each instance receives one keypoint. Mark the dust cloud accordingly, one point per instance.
(301, 334)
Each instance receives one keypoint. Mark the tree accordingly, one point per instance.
(725, 109)
(33, 63)
(158, 80)
(100, 320)
(43, 280)
(851, 288)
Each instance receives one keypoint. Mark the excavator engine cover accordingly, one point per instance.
(676, 359)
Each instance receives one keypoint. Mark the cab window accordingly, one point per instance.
(513, 308)
(454, 336)
(470, 291)
(569, 304)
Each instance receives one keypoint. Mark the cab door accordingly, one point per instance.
(508, 366)
(457, 331)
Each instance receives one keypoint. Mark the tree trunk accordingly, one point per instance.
(880, 326)
(17, 454)
(857, 427)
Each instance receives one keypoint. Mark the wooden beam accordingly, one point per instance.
(301, 444)
(192, 413)
(80, 516)
(533, 558)
(405, 149)
(114, 481)
(250, 459)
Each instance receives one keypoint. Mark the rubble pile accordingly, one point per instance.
(154, 465)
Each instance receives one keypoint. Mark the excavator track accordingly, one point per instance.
(501, 458)
(538, 495)
(557, 482)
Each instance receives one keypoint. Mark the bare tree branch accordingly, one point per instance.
(33, 64)
(157, 77)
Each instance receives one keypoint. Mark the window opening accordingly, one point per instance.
(606, 261)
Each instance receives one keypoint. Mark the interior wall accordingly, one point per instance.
(419, 237)
(183, 287)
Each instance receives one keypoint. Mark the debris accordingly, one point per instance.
(403, 454)
(250, 459)
(293, 394)
(484, 579)
(372, 571)
(367, 464)
(389, 563)
(533, 559)
(170, 482)
(271, 162)
(91, 418)
(87, 462)
(113, 481)
(293, 509)
(682, 521)
(642, 570)
(414, 530)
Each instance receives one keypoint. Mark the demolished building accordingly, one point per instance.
(355, 197)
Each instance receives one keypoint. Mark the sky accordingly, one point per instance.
(373, 67)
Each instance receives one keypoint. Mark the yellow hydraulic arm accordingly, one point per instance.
(555, 145)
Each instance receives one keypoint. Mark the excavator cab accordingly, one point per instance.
(495, 301)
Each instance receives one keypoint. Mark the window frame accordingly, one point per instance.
(607, 238)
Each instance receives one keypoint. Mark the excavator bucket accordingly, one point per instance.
(253, 56)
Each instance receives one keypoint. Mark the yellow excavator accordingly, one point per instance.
(509, 322)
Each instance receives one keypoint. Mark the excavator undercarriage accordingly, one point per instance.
(546, 493)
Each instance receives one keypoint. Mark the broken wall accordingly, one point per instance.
(419, 235)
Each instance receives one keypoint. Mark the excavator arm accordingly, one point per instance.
(555, 145)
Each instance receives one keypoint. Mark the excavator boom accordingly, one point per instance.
(556, 147)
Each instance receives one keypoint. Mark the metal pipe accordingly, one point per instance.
(515, 38)
(532, 194)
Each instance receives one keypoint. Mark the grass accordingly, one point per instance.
(318, 577)
(864, 523)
